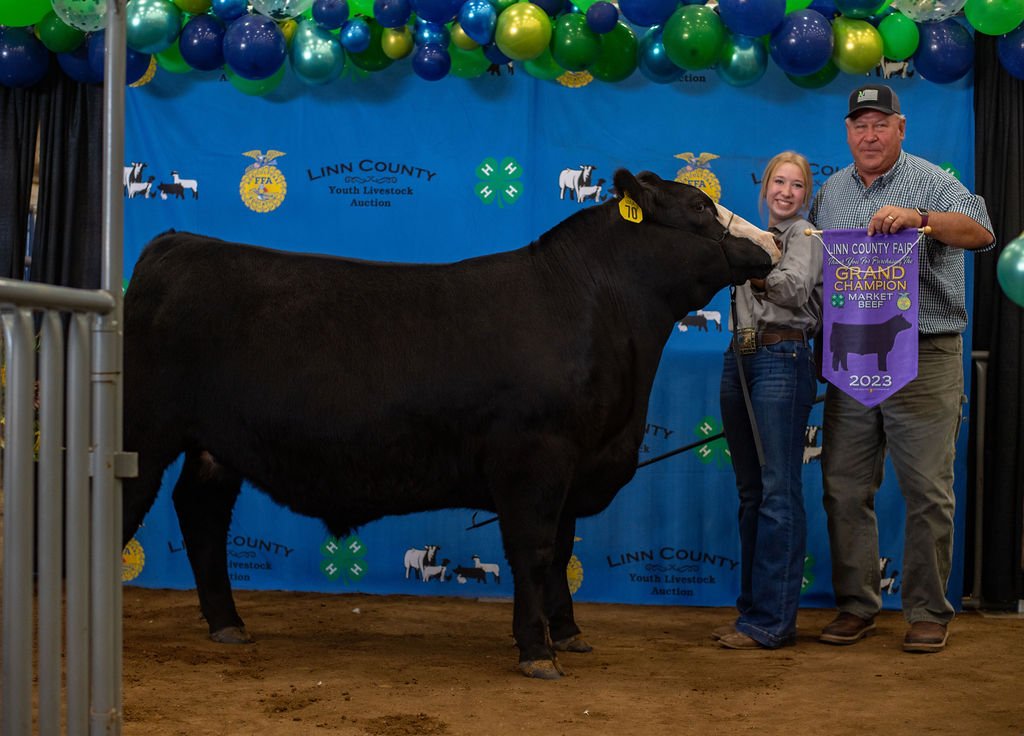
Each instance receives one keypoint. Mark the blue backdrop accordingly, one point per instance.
(390, 167)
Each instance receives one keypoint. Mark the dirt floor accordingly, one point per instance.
(402, 665)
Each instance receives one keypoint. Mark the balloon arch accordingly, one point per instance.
(253, 41)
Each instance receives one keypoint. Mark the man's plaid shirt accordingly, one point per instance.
(843, 202)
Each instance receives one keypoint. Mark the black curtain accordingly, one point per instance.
(998, 323)
(19, 120)
(66, 245)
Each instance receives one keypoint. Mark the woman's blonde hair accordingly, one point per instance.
(787, 157)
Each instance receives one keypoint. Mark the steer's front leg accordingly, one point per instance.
(530, 549)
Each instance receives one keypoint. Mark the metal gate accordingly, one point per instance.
(62, 501)
(63, 357)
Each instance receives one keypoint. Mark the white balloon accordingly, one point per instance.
(281, 9)
(929, 11)
(85, 15)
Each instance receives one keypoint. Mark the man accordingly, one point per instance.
(885, 190)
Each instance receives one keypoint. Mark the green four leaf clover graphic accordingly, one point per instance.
(343, 558)
(499, 182)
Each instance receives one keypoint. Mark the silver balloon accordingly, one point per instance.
(85, 15)
(929, 11)
(281, 9)
(317, 56)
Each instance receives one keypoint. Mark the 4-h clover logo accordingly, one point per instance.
(717, 450)
(838, 301)
(499, 182)
(343, 558)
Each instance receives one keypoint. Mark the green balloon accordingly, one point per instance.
(544, 67)
(255, 87)
(500, 6)
(57, 35)
(693, 37)
(373, 59)
(573, 45)
(900, 36)
(467, 64)
(170, 60)
(817, 80)
(617, 59)
(792, 5)
(994, 17)
(20, 13)
(356, 7)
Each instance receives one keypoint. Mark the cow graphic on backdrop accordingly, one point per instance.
(889, 580)
(416, 560)
(865, 339)
(577, 183)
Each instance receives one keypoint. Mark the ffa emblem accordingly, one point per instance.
(697, 173)
(133, 559)
(263, 186)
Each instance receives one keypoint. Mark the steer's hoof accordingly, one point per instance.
(542, 669)
(231, 635)
(575, 643)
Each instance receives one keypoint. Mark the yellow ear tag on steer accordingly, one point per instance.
(630, 210)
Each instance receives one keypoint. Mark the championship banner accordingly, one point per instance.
(870, 312)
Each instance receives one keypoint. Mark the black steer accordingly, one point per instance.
(865, 339)
(348, 390)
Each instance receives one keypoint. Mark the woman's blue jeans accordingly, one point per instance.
(772, 523)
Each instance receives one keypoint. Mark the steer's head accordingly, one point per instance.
(751, 251)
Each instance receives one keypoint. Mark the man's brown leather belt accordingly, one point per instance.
(773, 337)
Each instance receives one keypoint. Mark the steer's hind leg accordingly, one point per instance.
(565, 634)
(203, 498)
(529, 503)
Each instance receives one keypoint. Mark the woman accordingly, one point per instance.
(773, 320)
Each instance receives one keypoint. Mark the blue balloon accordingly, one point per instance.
(202, 43)
(647, 12)
(436, 11)
(602, 17)
(802, 43)
(392, 13)
(494, 55)
(431, 62)
(826, 7)
(136, 62)
(653, 61)
(229, 10)
(742, 60)
(356, 36)
(330, 14)
(23, 58)
(426, 33)
(254, 47)
(752, 17)
(1010, 48)
(945, 52)
(76, 65)
(478, 18)
(551, 7)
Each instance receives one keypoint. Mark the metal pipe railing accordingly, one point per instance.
(19, 512)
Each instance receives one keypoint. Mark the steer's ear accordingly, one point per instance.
(638, 190)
